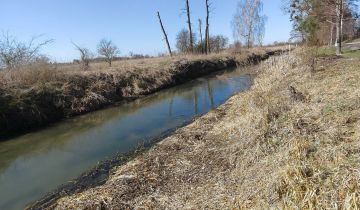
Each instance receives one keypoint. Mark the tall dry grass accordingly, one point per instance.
(41, 72)
(291, 142)
(36, 95)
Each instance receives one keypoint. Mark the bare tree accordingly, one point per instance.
(207, 33)
(85, 56)
(309, 18)
(201, 36)
(344, 13)
(189, 26)
(336, 7)
(183, 41)
(165, 35)
(14, 53)
(108, 49)
(248, 22)
(218, 43)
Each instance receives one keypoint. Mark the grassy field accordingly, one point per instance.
(37, 95)
(291, 142)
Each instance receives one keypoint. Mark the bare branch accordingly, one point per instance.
(14, 53)
(85, 56)
(108, 49)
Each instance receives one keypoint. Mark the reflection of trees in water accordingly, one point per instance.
(59, 135)
(171, 104)
(207, 92)
(210, 94)
(196, 110)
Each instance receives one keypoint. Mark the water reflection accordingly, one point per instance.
(34, 164)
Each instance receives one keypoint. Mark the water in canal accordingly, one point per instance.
(36, 163)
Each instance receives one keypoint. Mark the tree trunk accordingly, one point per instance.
(189, 25)
(339, 11)
(201, 37)
(165, 35)
(207, 37)
(331, 34)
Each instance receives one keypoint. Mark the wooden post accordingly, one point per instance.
(189, 25)
(165, 35)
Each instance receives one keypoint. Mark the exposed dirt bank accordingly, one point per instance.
(52, 95)
(292, 142)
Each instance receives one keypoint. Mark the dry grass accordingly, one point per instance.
(292, 142)
(44, 73)
(39, 94)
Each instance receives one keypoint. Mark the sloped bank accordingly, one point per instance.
(25, 109)
(291, 142)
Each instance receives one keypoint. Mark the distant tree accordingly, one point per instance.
(236, 45)
(218, 43)
(249, 22)
(14, 53)
(85, 56)
(183, 41)
(108, 49)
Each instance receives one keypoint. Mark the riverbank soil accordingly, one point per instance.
(40, 94)
(291, 142)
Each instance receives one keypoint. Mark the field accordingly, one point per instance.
(291, 142)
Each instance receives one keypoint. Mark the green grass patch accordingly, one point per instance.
(326, 51)
(351, 53)
(331, 51)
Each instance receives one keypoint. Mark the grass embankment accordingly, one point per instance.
(291, 142)
(331, 51)
(41, 94)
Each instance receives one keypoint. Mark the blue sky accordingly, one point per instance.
(131, 24)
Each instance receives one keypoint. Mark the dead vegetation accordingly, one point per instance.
(292, 142)
(38, 94)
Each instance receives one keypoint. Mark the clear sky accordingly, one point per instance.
(131, 24)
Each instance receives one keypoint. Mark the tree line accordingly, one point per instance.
(106, 49)
(186, 38)
(15, 53)
(319, 22)
(248, 27)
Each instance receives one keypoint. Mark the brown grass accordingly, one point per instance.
(44, 73)
(266, 148)
(39, 94)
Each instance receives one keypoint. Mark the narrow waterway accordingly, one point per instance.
(36, 163)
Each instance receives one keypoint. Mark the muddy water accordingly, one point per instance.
(36, 163)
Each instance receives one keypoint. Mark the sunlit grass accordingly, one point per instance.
(331, 51)
(266, 148)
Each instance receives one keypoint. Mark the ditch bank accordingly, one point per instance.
(23, 110)
(289, 142)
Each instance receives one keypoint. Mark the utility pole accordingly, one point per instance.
(189, 25)
(165, 35)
